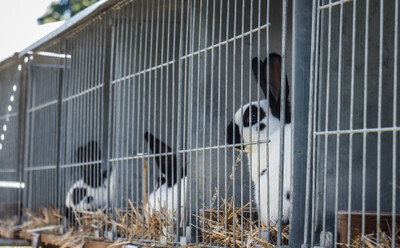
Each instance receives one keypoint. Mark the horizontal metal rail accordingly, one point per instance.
(363, 130)
(83, 93)
(6, 116)
(237, 37)
(326, 6)
(42, 106)
(8, 170)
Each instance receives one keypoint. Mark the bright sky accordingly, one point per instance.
(18, 25)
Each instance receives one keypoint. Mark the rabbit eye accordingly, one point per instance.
(78, 194)
(257, 114)
(89, 199)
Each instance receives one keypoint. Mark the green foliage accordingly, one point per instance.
(63, 9)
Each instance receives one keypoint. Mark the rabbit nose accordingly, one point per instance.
(233, 134)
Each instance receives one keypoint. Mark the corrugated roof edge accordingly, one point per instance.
(75, 21)
(9, 60)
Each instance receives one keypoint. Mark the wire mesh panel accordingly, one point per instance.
(228, 68)
(354, 129)
(166, 121)
(41, 144)
(84, 178)
(10, 185)
(145, 99)
(179, 72)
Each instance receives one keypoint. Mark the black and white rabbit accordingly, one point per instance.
(259, 118)
(90, 191)
(165, 194)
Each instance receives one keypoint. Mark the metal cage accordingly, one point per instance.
(159, 115)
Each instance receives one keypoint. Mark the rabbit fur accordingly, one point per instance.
(253, 122)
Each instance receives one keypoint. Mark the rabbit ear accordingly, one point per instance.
(275, 67)
(80, 153)
(92, 175)
(260, 75)
(93, 151)
(167, 163)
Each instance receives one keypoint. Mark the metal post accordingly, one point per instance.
(109, 48)
(59, 125)
(181, 121)
(25, 72)
(302, 16)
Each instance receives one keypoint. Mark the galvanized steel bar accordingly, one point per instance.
(181, 123)
(338, 119)
(109, 36)
(241, 100)
(327, 96)
(219, 112)
(365, 102)
(282, 121)
(135, 109)
(310, 136)
(192, 196)
(174, 141)
(117, 114)
(129, 164)
(268, 133)
(60, 126)
(303, 39)
(318, 77)
(22, 132)
(234, 81)
(197, 121)
(213, 24)
(258, 99)
(353, 49)
(395, 95)
(150, 81)
(379, 142)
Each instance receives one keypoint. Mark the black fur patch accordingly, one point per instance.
(89, 199)
(259, 69)
(261, 127)
(252, 115)
(160, 181)
(288, 195)
(78, 194)
(233, 134)
(71, 216)
(167, 163)
(263, 172)
(92, 174)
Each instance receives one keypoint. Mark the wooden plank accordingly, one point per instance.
(356, 223)
(48, 239)
(23, 234)
(8, 233)
(51, 240)
(98, 244)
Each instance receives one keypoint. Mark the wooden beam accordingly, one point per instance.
(50, 240)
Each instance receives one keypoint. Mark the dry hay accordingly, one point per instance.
(48, 218)
(135, 224)
(7, 223)
(148, 226)
(370, 240)
(131, 223)
(225, 228)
